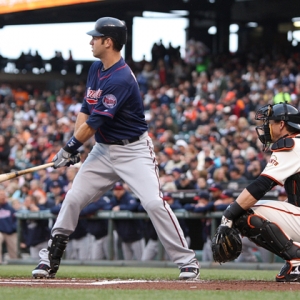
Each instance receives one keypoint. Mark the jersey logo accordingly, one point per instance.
(273, 161)
(92, 96)
(109, 101)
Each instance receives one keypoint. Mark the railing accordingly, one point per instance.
(111, 216)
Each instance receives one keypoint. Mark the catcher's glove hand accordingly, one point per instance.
(226, 244)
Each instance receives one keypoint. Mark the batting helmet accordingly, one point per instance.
(110, 27)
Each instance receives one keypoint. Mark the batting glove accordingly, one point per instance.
(65, 159)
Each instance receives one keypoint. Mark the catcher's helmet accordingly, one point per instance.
(278, 112)
(110, 27)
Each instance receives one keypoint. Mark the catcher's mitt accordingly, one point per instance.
(226, 244)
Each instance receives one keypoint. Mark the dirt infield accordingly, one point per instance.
(153, 285)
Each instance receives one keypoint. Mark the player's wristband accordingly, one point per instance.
(233, 211)
(72, 145)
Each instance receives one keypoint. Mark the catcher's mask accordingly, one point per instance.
(278, 112)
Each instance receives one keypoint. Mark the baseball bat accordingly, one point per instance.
(8, 176)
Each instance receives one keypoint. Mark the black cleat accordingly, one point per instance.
(288, 273)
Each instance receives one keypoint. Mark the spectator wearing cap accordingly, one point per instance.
(226, 198)
(53, 175)
(184, 183)
(209, 166)
(176, 160)
(241, 164)
(129, 231)
(56, 194)
(201, 203)
(237, 177)
(192, 166)
(176, 173)
(215, 190)
(182, 146)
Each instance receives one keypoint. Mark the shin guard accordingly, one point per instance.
(56, 250)
(267, 235)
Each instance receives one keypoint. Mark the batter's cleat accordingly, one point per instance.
(189, 273)
(288, 273)
(43, 271)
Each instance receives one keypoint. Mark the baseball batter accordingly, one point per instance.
(112, 111)
(273, 225)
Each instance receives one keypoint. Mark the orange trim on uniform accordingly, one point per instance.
(278, 183)
(281, 210)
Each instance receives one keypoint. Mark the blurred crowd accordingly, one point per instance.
(201, 115)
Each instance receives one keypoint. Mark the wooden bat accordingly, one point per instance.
(8, 176)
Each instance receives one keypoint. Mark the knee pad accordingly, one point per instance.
(267, 235)
(56, 250)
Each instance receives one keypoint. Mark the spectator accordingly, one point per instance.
(70, 64)
(237, 180)
(226, 198)
(215, 190)
(8, 226)
(4, 154)
(57, 62)
(56, 194)
(37, 191)
(184, 183)
(21, 193)
(176, 161)
(281, 95)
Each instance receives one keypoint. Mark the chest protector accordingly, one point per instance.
(292, 184)
(292, 187)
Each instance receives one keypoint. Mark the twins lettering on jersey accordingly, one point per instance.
(92, 97)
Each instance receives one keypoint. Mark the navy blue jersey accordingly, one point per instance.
(113, 103)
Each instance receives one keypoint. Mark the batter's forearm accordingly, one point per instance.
(81, 118)
(84, 133)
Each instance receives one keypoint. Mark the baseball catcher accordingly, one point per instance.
(271, 224)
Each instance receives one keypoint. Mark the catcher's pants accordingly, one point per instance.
(285, 215)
